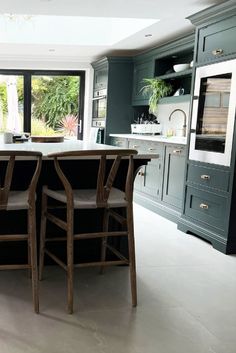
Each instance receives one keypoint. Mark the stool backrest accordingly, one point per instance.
(9, 157)
(106, 174)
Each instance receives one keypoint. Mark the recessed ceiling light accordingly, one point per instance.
(148, 35)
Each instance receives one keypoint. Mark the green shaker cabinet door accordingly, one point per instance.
(141, 70)
(149, 177)
(217, 40)
(152, 178)
(173, 185)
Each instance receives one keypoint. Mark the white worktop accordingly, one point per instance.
(67, 145)
(155, 138)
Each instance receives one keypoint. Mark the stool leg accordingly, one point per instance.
(33, 254)
(42, 234)
(104, 239)
(132, 265)
(29, 256)
(70, 258)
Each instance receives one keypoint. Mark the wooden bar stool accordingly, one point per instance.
(12, 199)
(105, 195)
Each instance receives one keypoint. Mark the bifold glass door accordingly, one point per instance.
(213, 113)
(42, 102)
(11, 103)
(55, 104)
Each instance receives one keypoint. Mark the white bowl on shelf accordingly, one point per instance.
(181, 67)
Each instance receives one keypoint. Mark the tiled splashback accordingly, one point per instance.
(175, 125)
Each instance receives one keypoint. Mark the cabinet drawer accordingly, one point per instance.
(217, 40)
(206, 207)
(210, 177)
(144, 147)
(119, 142)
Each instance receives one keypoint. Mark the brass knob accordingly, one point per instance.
(205, 177)
(141, 173)
(217, 52)
(151, 149)
(204, 206)
(177, 151)
(135, 146)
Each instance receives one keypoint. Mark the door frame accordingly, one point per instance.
(27, 74)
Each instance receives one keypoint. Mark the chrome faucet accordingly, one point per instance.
(185, 119)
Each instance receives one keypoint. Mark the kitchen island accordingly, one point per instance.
(11, 221)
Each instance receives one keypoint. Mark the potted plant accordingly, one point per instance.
(157, 89)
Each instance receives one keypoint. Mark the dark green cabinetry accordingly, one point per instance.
(116, 75)
(149, 178)
(142, 69)
(210, 189)
(209, 209)
(159, 62)
(216, 33)
(159, 184)
(208, 176)
(173, 186)
(182, 53)
(211, 43)
(207, 203)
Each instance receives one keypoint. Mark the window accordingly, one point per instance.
(42, 102)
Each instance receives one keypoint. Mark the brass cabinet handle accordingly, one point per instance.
(177, 151)
(204, 206)
(141, 173)
(217, 52)
(135, 146)
(205, 177)
(151, 149)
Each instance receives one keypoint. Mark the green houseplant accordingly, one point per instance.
(157, 89)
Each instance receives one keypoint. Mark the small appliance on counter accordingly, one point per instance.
(151, 129)
(19, 138)
(146, 124)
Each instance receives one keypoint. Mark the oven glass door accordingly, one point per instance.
(99, 108)
(213, 113)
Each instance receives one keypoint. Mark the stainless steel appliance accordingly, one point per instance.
(213, 113)
(99, 108)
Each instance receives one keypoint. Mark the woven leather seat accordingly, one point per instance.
(105, 196)
(15, 200)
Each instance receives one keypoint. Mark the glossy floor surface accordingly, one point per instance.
(186, 292)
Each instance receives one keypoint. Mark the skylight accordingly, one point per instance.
(69, 30)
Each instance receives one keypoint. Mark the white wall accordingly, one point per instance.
(177, 119)
(60, 65)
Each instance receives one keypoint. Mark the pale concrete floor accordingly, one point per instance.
(186, 291)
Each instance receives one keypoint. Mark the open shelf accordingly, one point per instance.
(175, 99)
(174, 75)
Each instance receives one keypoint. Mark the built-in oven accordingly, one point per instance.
(99, 110)
(213, 113)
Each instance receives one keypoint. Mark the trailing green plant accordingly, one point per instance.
(157, 89)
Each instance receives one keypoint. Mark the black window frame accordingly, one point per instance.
(27, 74)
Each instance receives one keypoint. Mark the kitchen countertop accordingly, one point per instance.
(67, 145)
(154, 138)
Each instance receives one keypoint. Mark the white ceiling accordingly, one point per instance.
(172, 14)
